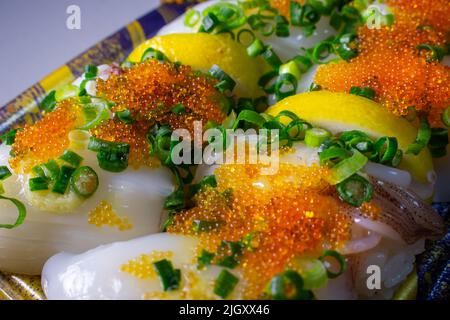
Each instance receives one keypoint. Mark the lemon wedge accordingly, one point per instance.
(201, 51)
(339, 112)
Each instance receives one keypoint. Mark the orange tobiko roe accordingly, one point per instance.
(390, 63)
(288, 214)
(46, 139)
(151, 89)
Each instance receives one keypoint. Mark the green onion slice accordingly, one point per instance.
(292, 68)
(331, 257)
(355, 190)
(365, 92)
(422, 139)
(386, 148)
(225, 81)
(38, 184)
(314, 137)
(446, 117)
(255, 48)
(22, 213)
(71, 158)
(230, 15)
(246, 37)
(48, 104)
(84, 182)
(125, 116)
(285, 86)
(94, 113)
(4, 173)
(178, 109)
(65, 92)
(205, 259)
(333, 154)
(313, 272)
(347, 167)
(250, 117)
(288, 285)
(151, 53)
(225, 283)
(271, 58)
(63, 180)
(191, 18)
(170, 277)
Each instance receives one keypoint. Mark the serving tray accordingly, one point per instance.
(433, 267)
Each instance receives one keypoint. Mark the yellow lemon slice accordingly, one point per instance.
(201, 51)
(339, 112)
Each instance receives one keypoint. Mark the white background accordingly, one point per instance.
(34, 39)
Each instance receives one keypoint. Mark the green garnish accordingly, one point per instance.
(170, 277)
(225, 284)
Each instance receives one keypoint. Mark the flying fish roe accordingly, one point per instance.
(281, 216)
(46, 139)
(142, 266)
(150, 90)
(134, 134)
(389, 62)
(105, 215)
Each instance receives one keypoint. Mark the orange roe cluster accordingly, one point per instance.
(151, 89)
(46, 139)
(134, 134)
(142, 267)
(104, 215)
(433, 13)
(390, 63)
(280, 217)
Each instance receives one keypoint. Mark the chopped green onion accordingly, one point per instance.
(266, 29)
(22, 212)
(234, 248)
(267, 12)
(397, 158)
(288, 285)
(438, 142)
(313, 272)
(314, 137)
(84, 182)
(205, 225)
(366, 92)
(355, 190)
(4, 173)
(271, 58)
(321, 51)
(303, 63)
(71, 158)
(334, 255)
(333, 154)
(205, 259)
(175, 200)
(67, 91)
(38, 183)
(9, 137)
(191, 18)
(285, 86)
(151, 53)
(292, 68)
(386, 148)
(303, 16)
(225, 283)
(322, 6)
(90, 71)
(125, 116)
(48, 104)
(296, 129)
(346, 46)
(255, 22)
(281, 27)
(256, 48)
(62, 182)
(94, 113)
(436, 53)
(170, 277)
(266, 82)
(225, 81)
(178, 109)
(38, 171)
(422, 139)
(246, 33)
(111, 156)
(347, 167)
(52, 168)
(209, 22)
(446, 117)
(229, 15)
(250, 117)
